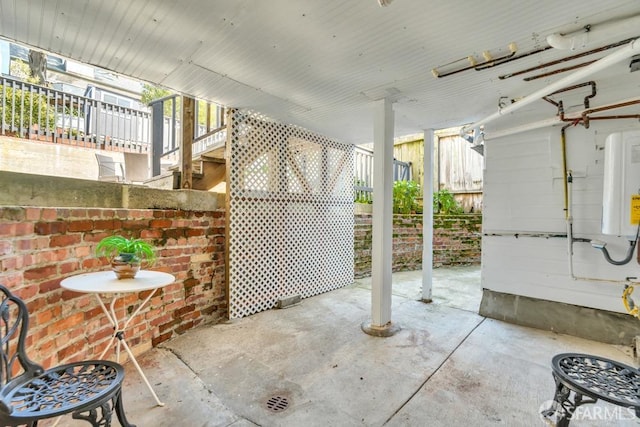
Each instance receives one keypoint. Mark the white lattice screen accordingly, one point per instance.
(291, 213)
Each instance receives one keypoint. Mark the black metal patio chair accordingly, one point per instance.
(89, 390)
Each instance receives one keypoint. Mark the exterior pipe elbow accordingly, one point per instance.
(558, 41)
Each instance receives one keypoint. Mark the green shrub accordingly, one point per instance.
(405, 194)
(22, 108)
(445, 204)
(360, 196)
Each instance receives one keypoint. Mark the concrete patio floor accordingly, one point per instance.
(448, 366)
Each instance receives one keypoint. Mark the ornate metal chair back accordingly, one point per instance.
(15, 365)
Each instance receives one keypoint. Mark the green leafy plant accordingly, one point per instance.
(405, 197)
(361, 195)
(21, 70)
(22, 108)
(134, 250)
(445, 203)
(151, 93)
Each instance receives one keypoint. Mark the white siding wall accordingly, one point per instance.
(523, 193)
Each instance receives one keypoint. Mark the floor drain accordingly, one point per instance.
(277, 403)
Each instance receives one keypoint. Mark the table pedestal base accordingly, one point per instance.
(119, 335)
(121, 341)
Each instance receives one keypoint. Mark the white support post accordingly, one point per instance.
(382, 221)
(427, 216)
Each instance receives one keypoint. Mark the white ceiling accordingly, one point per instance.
(321, 63)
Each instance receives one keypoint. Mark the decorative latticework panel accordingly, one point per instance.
(290, 213)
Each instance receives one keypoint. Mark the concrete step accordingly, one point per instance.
(207, 175)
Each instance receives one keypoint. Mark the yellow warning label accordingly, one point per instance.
(635, 209)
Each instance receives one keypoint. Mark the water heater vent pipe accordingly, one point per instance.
(594, 33)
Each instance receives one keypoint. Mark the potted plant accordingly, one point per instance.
(126, 255)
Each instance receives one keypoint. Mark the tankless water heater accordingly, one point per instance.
(621, 192)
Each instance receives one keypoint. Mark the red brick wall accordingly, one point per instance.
(41, 246)
(456, 241)
(362, 235)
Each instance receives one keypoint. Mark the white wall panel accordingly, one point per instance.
(538, 267)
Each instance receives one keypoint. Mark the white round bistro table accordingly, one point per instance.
(104, 285)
